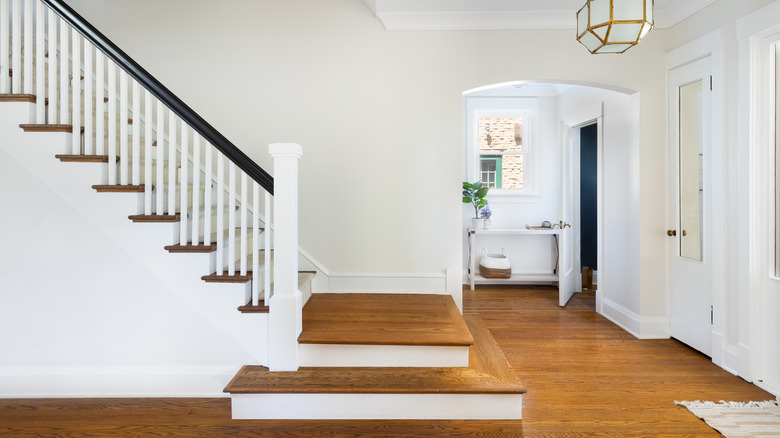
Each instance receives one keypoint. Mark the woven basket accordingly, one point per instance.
(495, 265)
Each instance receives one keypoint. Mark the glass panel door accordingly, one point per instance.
(691, 171)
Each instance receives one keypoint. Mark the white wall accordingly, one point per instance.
(90, 303)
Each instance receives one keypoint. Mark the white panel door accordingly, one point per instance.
(566, 271)
(690, 173)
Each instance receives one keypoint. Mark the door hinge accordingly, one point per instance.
(710, 82)
(712, 315)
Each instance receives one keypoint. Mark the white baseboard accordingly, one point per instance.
(363, 282)
(639, 327)
(338, 355)
(113, 381)
(377, 406)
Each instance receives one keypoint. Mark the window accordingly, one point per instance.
(490, 171)
(500, 142)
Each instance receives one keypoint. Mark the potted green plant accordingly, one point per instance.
(474, 194)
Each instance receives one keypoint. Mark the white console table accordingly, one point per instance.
(475, 277)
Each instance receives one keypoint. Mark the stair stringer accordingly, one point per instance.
(143, 242)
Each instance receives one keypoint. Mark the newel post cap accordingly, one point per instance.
(285, 149)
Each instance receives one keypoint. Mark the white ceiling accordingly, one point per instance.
(505, 14)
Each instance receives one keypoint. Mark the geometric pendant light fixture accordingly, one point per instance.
(613, 26)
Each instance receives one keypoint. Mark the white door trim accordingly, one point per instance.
(756, 32)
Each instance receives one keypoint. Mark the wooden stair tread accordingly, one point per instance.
(117, 188)
(31, 98)
(383, 319)
(249, 308)
(39, 127)
(69, 158)
(190, 248)
(371, 380)
(224, 277)
(155, 218)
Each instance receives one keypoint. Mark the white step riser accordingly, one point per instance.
(377, 406)
(339, 355)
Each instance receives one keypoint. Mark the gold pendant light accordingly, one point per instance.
(613, 26)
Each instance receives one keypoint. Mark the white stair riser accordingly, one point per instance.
(377, 406)
(342, 355)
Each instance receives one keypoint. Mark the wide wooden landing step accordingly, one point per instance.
(369, 392)
(383, 319)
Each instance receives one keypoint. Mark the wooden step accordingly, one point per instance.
(155, 218)
(38, 127)
(383, 319)
(249, 308)
(116, 188)
(487, 389)
(30, 98)
(224, 277)
(67, 158)
(190, 248)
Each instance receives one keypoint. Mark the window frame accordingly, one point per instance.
(526, 108)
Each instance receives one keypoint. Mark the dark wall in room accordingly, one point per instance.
(588, 194)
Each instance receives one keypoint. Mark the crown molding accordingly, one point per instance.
(402, 15)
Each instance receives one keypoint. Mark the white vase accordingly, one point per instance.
(486, 224)
(477, 223)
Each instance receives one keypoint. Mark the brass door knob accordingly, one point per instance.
(685, 233)
(566, 224)
(671, 233)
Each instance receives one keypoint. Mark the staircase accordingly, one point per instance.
(328, 355)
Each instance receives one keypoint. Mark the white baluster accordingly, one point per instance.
(184, 181)
(148, 117)
(136, 150)
(52, 46)
(267, 248)
(40, 62)
(124, 149)
(256, 277)
(172, 163)
(112, 103)
(64, 73)
(196, 188)
(160, 204)
(89, 105)
(207, 196)
(16, 46)
(76, 91)
(244, 207)
(231, 218)
(27, 75)
(220, 212)
(5, 56)
(100, 104)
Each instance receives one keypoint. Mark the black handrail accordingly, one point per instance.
(159, 91)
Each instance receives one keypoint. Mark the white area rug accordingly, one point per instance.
(738, 420)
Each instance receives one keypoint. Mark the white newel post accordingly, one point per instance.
(285, 321)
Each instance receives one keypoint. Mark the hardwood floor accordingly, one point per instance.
(585, 377)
